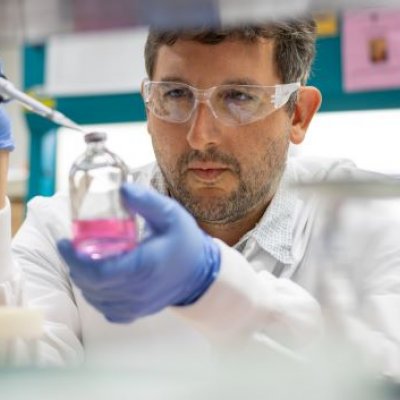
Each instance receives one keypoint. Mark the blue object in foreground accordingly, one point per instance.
(6, 139)
(173, 266)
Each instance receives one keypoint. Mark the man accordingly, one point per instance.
(222, 108)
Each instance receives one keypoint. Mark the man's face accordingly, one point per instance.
(219, 172)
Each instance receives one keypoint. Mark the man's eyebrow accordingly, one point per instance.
(235, 81)
(241, 81)
(174, 79)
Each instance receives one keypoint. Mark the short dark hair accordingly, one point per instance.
(294, 45)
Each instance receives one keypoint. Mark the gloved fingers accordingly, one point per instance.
(101, 301)
(85, 271)
(114, 277)
(127, 312)
(116, 294)
(119, 319)
(120, 312)
(158, 210)
(72, 257)
(131, 269)
(134, 268)
(6, 139)
(113, 311)
(5, 124)
(138, 303)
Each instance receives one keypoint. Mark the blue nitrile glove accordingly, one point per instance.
(174, 265)
(6, 140)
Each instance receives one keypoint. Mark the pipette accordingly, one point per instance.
(8, 89)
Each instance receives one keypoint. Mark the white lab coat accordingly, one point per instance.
(247, 304)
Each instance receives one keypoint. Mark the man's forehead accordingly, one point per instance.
(228, 44)
(232, 59)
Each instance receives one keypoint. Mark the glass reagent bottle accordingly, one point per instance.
(101, 226)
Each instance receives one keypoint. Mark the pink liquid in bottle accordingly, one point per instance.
(104, 237)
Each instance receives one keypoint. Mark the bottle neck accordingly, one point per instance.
(95, 147)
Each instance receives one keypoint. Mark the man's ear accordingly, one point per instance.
(308, 102)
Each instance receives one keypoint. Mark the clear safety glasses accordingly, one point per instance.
(232, 104)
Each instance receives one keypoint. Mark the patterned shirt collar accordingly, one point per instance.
(274, 232)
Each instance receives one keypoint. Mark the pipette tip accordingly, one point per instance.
(62, 120)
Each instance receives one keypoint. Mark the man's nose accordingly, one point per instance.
(203, 131)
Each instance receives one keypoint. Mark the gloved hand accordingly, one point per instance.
(6, 140)
(174, 265)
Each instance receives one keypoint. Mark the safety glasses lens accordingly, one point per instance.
(171, 101)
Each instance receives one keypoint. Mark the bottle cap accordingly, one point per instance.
(95, 137)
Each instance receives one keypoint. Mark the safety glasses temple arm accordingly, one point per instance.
(283, 93)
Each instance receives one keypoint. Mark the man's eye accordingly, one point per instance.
(237, 95)
(177, 93)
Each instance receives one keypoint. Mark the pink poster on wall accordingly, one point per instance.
(371, 49)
